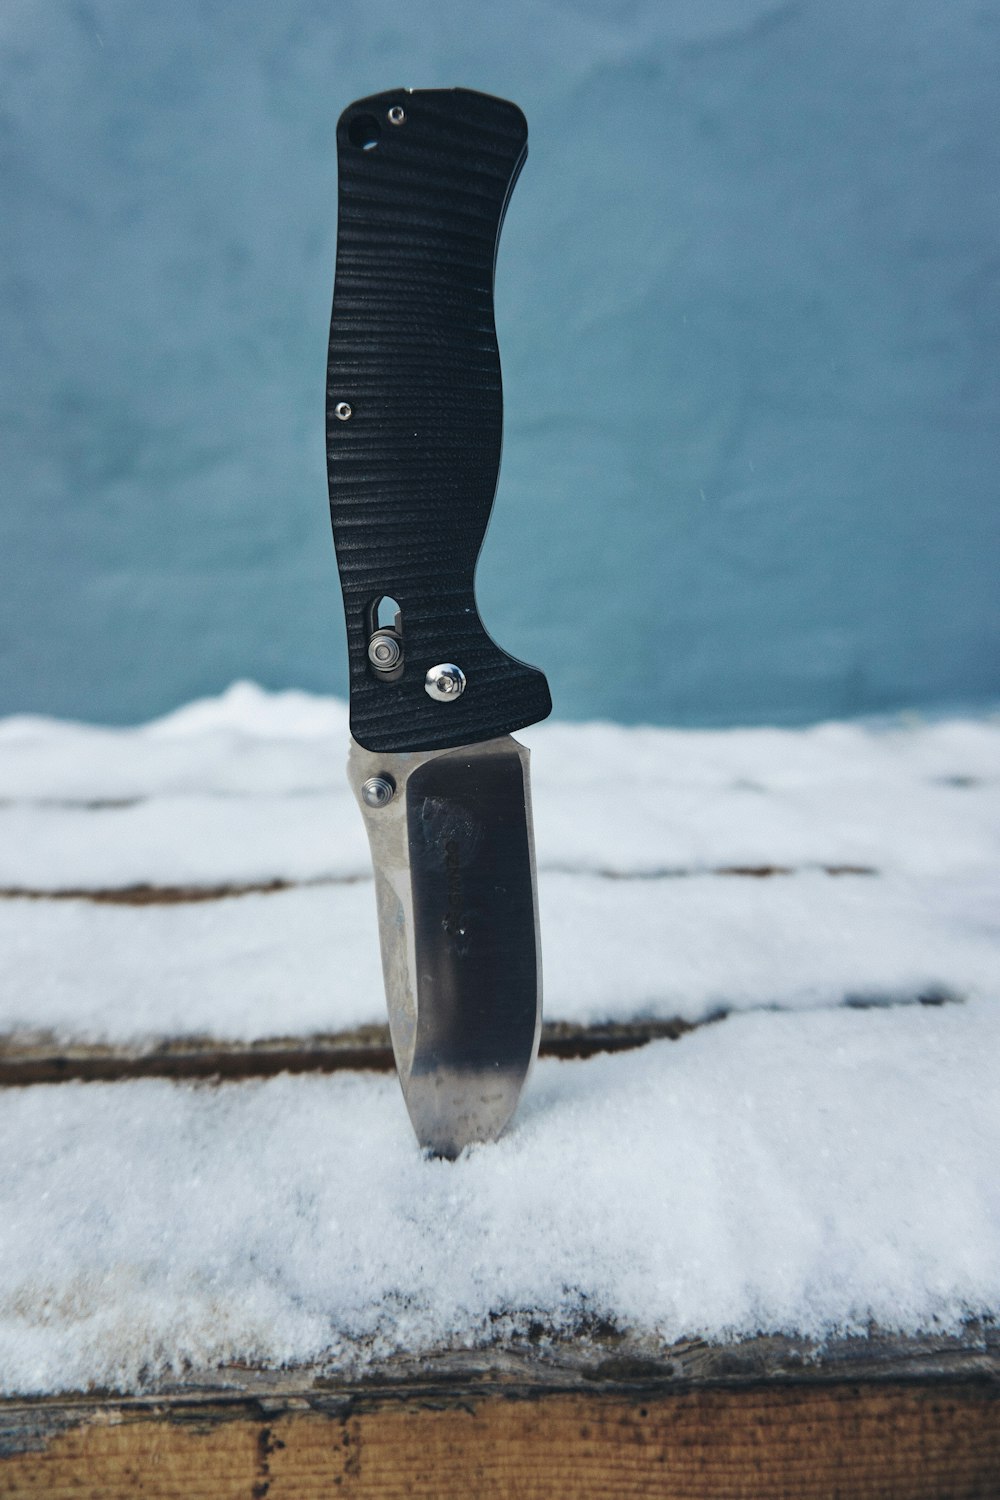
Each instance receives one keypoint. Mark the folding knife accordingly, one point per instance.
(414, 426)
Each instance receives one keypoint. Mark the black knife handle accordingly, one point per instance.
(414, 373)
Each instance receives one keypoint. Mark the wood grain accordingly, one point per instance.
(919, 1440)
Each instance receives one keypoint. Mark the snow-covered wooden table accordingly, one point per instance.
(743, 1238)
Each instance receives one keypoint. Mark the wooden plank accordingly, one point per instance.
(916, 1439)
(598, 1416)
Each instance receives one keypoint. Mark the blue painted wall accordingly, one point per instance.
(747, 307)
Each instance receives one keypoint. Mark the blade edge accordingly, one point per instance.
(456, 891)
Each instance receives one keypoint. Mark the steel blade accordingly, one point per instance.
(452, 847)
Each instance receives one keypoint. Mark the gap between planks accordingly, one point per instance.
(145, 894)
(41, 1059)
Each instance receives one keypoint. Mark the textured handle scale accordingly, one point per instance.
(413, 354)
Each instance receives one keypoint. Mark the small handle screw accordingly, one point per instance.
(445, 683)
(378, 791)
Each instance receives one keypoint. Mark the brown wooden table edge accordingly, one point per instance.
(919, 1437)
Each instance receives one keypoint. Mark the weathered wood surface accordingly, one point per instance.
(867, 1418)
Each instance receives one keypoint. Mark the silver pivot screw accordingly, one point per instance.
(384, 650)
(445, 683)
(342, 411)
(378, 791)
(397, 115)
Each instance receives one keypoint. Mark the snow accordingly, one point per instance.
(631, 824)
(803, 1173)
(306, 961)
(807, 1165)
